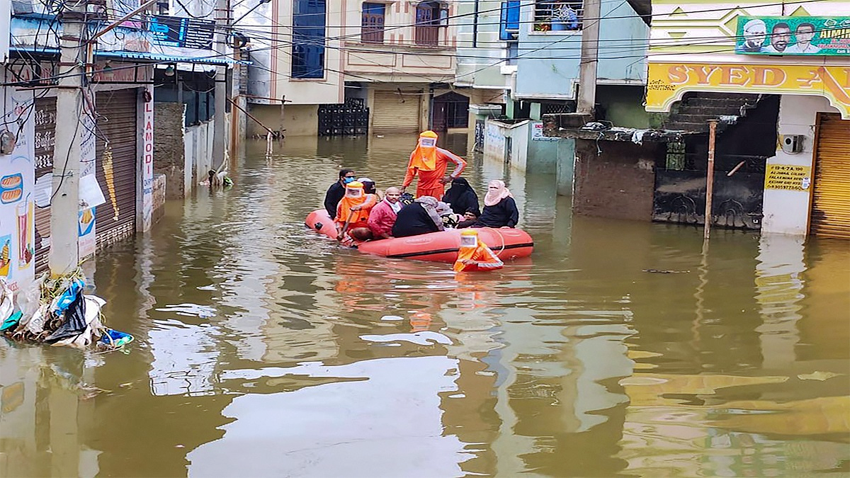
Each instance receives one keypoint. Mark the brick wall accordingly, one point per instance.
(169, 153)
(619, 183)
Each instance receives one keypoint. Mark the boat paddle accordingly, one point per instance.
(341, 235)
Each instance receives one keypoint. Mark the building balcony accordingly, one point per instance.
(387, 62)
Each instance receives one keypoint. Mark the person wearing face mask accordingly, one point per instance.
(474, 255)
(383, 215)
(430, 164)
(354, 208)
(337, 190)
(499, 207)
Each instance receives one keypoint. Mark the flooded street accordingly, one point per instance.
(617, 349)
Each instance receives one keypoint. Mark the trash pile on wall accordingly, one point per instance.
(56, 312)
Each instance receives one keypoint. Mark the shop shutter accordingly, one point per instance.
(117, 123)
(831, 199)
(396, 112)
(45, 138)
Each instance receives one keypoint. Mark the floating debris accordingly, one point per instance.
(56, 312)
(664, 271)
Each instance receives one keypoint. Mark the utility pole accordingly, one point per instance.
(709, 176)
(222, 17)
(589, 57)
(65, 201)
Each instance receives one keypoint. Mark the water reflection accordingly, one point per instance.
(619, 348)
(377, 417)
(45, 406)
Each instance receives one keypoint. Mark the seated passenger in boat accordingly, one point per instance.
(419, 217)
(468, 219)
(337, 190)
(369, 187)
(499, 207)
(450, 219)
(461, 197)
(383, 215)
(354, 208)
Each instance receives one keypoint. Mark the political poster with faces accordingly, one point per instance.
(823, 36)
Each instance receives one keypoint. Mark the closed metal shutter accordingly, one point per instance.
(45, 138)
(116, 122)
(831, 199)
(396, 112)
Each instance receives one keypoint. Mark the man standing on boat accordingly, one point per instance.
(430, 163)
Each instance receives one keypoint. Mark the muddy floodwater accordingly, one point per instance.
(618, 348)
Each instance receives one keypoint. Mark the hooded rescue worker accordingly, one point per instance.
(353, 208)
(337, 190)
(474, 255)
(430, 163)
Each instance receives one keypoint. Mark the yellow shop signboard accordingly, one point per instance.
(669, 81)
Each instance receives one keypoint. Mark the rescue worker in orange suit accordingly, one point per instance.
(474, 255)
(353, 209)
(430, 163)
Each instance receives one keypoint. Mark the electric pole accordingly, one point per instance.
(65, 201)
(222, 17)
(589, 57)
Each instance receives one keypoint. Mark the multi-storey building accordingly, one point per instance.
(790, 58)
(533, 51)
(295, 50)
(395, 58)
(399, 57)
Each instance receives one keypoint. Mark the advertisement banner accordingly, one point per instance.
(822, 36)
(537, 133)
(667, 82)
(182, 32)
(17, 175)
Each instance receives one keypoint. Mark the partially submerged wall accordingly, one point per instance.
(615, 179)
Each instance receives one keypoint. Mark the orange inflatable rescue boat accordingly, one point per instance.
(440, 246)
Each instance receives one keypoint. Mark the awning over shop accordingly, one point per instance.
(138, 56)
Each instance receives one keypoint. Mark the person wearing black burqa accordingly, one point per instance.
(462, 197)
(419, 217)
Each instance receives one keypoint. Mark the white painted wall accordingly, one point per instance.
(787, 212)
(198, 150)
(495, 134)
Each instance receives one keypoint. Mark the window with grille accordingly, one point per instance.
(558, 15)
(675, 156)
(308, 39)
(372, 23)
(457, 115)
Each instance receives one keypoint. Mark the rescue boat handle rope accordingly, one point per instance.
(500, 237)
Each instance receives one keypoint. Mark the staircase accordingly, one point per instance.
(695, 109)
